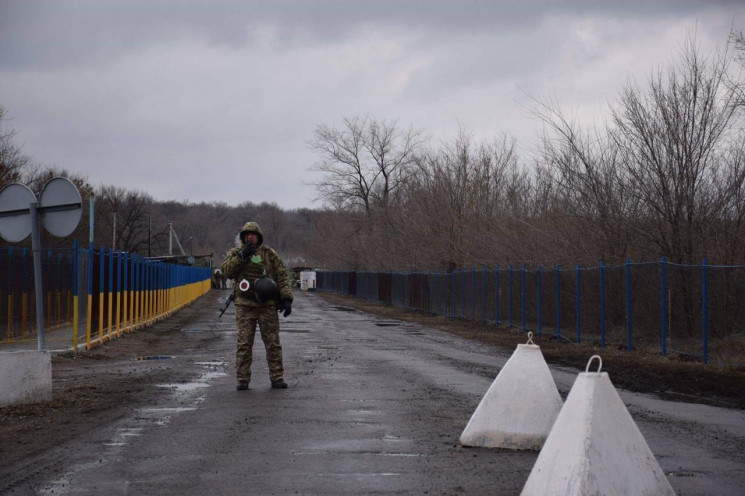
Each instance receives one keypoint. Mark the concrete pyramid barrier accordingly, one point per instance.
(519, 408)
(595, 447)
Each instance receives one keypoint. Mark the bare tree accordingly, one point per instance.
(365, 162)
(12, 160)
(673, 140)
(587, 191)
(133, 216)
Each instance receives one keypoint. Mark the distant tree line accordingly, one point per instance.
(135, 222)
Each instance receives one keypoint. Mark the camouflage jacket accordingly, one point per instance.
(266, 261)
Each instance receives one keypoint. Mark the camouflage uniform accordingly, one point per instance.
(249, 311)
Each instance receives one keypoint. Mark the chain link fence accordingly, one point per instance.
(693, 312)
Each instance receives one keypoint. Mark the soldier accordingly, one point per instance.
(254, 267)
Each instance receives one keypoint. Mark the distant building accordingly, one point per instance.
(308, 280)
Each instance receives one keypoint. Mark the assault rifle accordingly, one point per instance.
(227, 304)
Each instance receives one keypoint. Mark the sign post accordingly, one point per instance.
(39, 294)
(59, 206)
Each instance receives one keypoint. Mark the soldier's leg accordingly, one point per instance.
(245, 321)
(269, 326)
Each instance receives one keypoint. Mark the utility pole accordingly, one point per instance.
(113, 243)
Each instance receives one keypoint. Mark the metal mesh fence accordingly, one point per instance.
(692, 311)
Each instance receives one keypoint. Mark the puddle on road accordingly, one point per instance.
(212, 364)
(184, 397)
(160, 416)
(188, 386)
(120, 439)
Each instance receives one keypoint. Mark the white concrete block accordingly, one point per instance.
(595, 447)
(519, 408)
(25, 377)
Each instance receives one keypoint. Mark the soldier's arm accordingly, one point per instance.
(232, 265)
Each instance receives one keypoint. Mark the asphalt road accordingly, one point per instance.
(374, 407)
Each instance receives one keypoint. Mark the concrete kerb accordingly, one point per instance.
(520, 406)
(25, 377)
(595, 447)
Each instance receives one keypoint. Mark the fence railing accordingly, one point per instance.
(100, 294)
(693, 311)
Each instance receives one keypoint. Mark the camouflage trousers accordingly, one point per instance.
(246, 319)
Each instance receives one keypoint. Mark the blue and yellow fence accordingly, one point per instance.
(98, 294)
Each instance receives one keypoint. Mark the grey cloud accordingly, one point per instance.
(53, 33)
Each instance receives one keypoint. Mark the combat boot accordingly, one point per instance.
(279, 384)
(242, 386)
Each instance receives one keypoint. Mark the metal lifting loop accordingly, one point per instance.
(600, 363)
(530, 338)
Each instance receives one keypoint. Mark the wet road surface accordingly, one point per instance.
(374, 407)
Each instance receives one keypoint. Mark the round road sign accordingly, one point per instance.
(15, 216)
(61, 206)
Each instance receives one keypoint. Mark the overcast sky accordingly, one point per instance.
(217, 100)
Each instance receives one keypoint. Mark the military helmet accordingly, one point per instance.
(266, 289)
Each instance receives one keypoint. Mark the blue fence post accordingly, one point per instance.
(602, 304)
(49, 319)
(540, 300)
(509, 296)
(75, 296)
(463, 293)
(25, 289)
(629, 314)
(473, 293)
(111, 288)
(453, 282)
(127, 286)
(558, 305)
(523, 294)
(431, 287)
(101, 289)
(441, 294)
(496, 295)
(89, 312)
(119, 268)
(60, 281)
(705, 310)
(9, 293)
(483, 295)
(579, 304)
(663, 305)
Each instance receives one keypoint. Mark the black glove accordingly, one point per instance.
(285, 306)
(247, 251)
